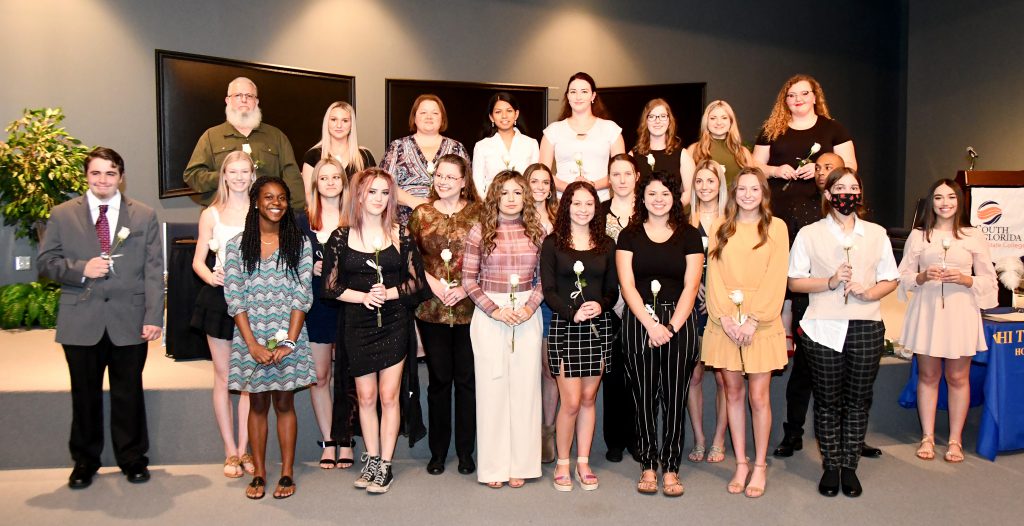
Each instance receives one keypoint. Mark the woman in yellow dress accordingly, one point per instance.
(746, 284)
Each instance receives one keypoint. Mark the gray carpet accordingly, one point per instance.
(898, 488)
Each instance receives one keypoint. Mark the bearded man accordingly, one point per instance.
(244, 130)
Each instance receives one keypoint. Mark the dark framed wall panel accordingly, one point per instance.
(190, 99)
(626, 103)
(466, 106)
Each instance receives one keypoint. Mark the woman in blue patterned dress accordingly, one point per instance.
(267, 287)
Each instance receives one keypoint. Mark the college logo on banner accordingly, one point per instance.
(999, 214)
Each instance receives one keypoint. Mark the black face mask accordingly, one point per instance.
(845, 204)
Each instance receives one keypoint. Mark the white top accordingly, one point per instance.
(595, 149)
(490, 157)
(223, 233)
(872, 261)
(113, 210)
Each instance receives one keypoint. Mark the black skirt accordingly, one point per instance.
(211, 314)
(575, 347)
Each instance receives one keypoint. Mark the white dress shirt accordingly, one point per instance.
(490, 156)
(832, 332)
(113, 211)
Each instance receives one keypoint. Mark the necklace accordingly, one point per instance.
(271, 242)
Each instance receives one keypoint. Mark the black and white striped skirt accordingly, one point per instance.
(575, 347)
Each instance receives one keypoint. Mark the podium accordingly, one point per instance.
(970, 179)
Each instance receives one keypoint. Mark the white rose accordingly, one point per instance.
(578, 267)
(280, 335)
(736, 296)
(847, 243)
(946, 243)
(430, 167)
(446, 255)
(704, 241)
(123, 233)
(513, 280)
(578, 157)
(378, 243)
(815, 148)
(323, 236)
(650, 160)
(655, 286)
(247, 149)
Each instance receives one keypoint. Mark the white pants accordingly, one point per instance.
(508, 401)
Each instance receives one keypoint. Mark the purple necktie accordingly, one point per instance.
(103, 230)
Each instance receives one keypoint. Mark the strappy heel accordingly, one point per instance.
(328, 463)
(734, 487)
(562, 482)
(754, 492)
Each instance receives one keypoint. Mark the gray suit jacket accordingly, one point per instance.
(119, 304)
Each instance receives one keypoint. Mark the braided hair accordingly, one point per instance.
(289, 238)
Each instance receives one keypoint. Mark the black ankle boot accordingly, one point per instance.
(829, 485)
(851, 484)
(789, 444)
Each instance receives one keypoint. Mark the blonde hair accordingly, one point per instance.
(778, 121)
(353, 158)
(314, 210)
(221, 198)
(733, 140)
(723, 189)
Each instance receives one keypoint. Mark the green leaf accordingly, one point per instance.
(13, 314)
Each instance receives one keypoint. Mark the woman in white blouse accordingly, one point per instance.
(579, 145)
(846, 266)
(505, 148)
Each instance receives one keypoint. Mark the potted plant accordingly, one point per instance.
(40, 167)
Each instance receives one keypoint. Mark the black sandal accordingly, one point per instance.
(257, 483)
(284, 482)
(328, 463)
(345, 463)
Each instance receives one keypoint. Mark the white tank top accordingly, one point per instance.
(221, 232)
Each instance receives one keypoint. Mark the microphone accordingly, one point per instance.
(973, 154)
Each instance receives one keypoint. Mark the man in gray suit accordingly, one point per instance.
(104, 249)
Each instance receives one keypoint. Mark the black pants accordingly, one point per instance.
(843, 384)
(128, 431)
(449, 363)
(659, 379)
(619, 415)
(798, 390)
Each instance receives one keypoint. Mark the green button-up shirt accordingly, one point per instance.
(271, 152)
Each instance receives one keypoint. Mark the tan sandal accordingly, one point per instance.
(697, 453)
(589, 481)
(716, 454)
(648, 485)
(672, 487)
(950, 456)
(754, 492)
(247, 464)
(562, 482)
(734, 487)
(927, 449)
(233, 467)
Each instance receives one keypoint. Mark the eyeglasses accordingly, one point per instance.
(655, 118)
(449, 178)
(242, 97)
(795, 94)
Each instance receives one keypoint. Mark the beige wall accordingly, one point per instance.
(96, 59)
